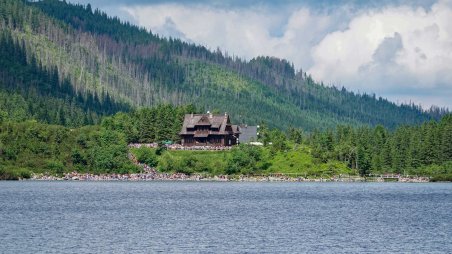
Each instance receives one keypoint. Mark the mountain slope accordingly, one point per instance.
(29, 91)
(97, 54)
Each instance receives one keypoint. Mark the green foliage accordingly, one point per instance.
(295, 135)
(29, 90)
(188, 162)
(56, 149)
(299, 161)
(442, 178)
(55, 166)
(146, 155)
(244, 159)
(278, 140)
(250, 160)
(147, 125)
(417, 150)
(12, 173)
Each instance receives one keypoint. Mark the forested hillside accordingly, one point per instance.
(29, 91)
(71, 65)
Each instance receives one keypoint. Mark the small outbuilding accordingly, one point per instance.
(248, 134)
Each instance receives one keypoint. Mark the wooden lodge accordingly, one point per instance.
(208, 130)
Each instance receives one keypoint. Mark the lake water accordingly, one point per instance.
(215, 217)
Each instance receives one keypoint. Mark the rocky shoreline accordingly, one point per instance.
(156, 176)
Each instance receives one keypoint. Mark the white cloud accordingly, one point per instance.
(243, 32)
(398, 52)
(394, 51)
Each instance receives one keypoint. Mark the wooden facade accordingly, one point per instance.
(208, 130)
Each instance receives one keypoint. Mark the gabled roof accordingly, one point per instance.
(217, 123)
(236, 129)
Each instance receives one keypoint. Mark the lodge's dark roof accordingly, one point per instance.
(217, 125)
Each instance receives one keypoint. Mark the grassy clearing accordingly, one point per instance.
(243, 160)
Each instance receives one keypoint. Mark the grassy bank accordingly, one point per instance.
(244, 159)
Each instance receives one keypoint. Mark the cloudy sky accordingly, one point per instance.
(400, 49)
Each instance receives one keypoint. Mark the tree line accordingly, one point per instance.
(30, 146)
(424, 149)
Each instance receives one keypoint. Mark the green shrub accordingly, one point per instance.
(14, 173)
(167, 163)
(128, 168)
(146, 155)
(55, 166)
(24, 173)
(6, 174)
(442, 178)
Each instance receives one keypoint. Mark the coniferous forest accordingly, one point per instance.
(76, 86)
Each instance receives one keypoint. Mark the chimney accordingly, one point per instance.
(210, 114)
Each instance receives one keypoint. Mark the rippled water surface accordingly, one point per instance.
(174, 217)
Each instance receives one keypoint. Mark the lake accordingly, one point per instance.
(216, 217)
